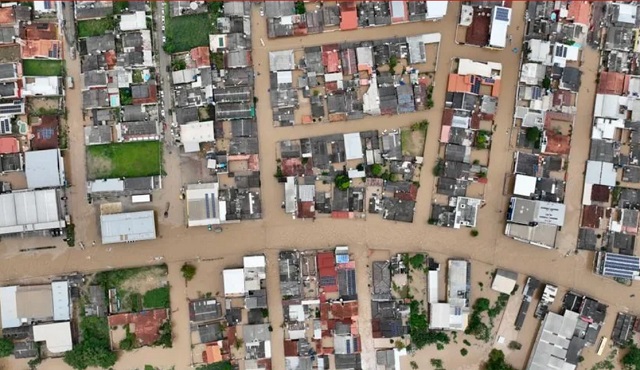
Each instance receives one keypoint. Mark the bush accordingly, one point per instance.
(496, 361)
(156, 298)
(416, 261)
(188, 270)
(414, 365)
(166, 337)
(631, 360)
(464, 352)
(376, 170)
(393, 62)
(6, 347)
(299, 7)
(533, 135)
(436, 363)
(129, 341)
(475, 233)
(546, 82)
(342, 181)
(95, 348)
(514, 345)
(420, 126)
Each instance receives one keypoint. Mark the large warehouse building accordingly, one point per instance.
(27, 211)
(127, 227)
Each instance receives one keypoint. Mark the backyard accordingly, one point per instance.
(96, 27)
(138, 288)
(189, 31)
(41, 67)
(124, 160)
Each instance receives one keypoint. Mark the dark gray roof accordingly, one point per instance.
(275, 9)
(7, 70)
(331, 15)
(239, 76)
(25, 349)
(94, 12)
(571, 78)
(243, 145)
(8, 89)
(133, 113)
(629, 198)
(206, 309)
(456, 170)
(456, 153)
(347, 284)
(587, 239)
(7, 34)
(186, 114)
(227, 111)
(527, 164)
(141, 183)
(350, 361)
(132, 40)
(452, 186)
(136, 6)
(139, 91)
(95, 78)
(602, 150)
(99, 43)
(95, 98)
(244, 128)
(381, 276)
(93, 62)
(398, 210)
(210, 332)
(140, 128)
(232, 94)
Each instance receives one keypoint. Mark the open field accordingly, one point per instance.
(95, 27)
(189, 31)
(124, 160)
(137, 288)
(41, 67)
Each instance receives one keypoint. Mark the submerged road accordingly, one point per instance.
(278, 231)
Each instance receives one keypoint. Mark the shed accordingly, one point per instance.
(128, 227)
(233, 282)
(57, 336)
(44, 169)
(504, 281)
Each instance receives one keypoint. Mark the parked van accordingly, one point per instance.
(142, 198)
(70, 82)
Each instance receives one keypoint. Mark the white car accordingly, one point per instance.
(262, 12)
(164, 39)
(163, 28)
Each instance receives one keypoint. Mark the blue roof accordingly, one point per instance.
(619, 265)
(502, 14)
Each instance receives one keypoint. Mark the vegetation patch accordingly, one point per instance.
(497, 361)
(224, 365)
(95, 348)
(419, 328)
(189, 31)
(156, 298)
(137, 159)
(42, 67)
(188, 271)
(96, 27)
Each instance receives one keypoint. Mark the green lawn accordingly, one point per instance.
(41, 67)
(96, 27)
(124, 160)
(189, 31)
(156, 298)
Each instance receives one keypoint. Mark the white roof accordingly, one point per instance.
(605, 128)
(9, 307)
(398, 9)
(436, 9)
(608, 106)
(217, 42)
(105, 185)
(352, 146)
(433, 283)
(284, 77)
(365, 53)
(290, 198)
(233, 282)
(627, 13)
(540, 51)
(439, 316)
(184, 76)
(128, 227)
(282, 60)
(499, 26)
(135, 21)
(56, 335)
(504, 281)
(42, 6)
(60, 293)
(355, 174)
(194, 133)
(532, 73)
(29, 210)
(525, 185)
(203, 205)
(601, 173)
(44, 168)
(254, 261)
(563, 53)
(306, 193)
(41, 86)
(483, 69)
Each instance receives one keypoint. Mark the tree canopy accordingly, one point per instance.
(632, 359)
(6, 347)
(94, 350)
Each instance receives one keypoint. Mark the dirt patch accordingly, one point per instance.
(145, 280)
(413, 142)
(98, 166)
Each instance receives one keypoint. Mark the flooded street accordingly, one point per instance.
(277, 230)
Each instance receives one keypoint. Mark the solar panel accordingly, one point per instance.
(502, 14)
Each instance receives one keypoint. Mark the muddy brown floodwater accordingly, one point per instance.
(278, 231)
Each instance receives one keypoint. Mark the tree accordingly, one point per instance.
(496, 361)
(188, 271)
(6, 347)
(632, 358)
(342, 181)
(376, 170)
(546, 82)
(474, 233)
(414, 365)
(300, 8)
(393, 62)
(533, 135)
(95, 348)
(514, 345)
(464, 352)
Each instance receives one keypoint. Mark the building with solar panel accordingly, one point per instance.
(619, 266)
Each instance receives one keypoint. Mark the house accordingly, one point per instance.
(504, 281)
(127, 227)
(57, 336)
(42, 49)
(466, 212)
(348, 16)
(194, 133)
(233, 280)
(556, 346)
(204, 206)
(23, 305)
(44, 169)
(500, 21)
(618, 266)
(534, 212)
(133, 21)
(41, 86)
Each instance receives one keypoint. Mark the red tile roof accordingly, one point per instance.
(200, 56)
(558, 143)
(613, 83)
(40, 31)
(9, 145)
(348, 16)
(591, 216)
(146, 324)
(7, 15)
(331, 60)
(580, 12)
(600, 193)
(51, 49)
